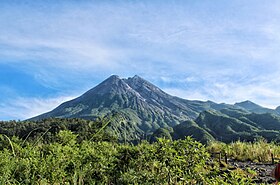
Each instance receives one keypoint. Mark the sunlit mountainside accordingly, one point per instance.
(145, 108)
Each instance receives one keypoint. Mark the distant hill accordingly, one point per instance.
(144, 110)
(252, 107)
(230, 125)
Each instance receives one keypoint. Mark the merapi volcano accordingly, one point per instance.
(146, 110)
(144, 106)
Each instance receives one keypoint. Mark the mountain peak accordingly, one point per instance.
(113, 84)
(113, 77)
(145, 108)
(137, 77)
(140, 84)
(248, 105)
(247, 102)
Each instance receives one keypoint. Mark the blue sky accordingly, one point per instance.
(52, 51)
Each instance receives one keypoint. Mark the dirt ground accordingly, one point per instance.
(263, 171)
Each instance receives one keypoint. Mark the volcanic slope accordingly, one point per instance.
(143, 106)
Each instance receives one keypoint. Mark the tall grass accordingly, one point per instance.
(258, 151)
(64, 160)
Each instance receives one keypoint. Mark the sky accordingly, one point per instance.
(55, 50)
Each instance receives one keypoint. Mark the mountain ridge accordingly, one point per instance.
(144, 107)
(136, 87)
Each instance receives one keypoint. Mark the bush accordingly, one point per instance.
(66, 161)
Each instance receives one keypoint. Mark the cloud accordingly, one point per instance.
(76, 39)
(220, 51)
(23, 108)
(193, 94)
(260, 90)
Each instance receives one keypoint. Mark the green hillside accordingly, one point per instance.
(142, 106)
(231, 125)
(144, 111)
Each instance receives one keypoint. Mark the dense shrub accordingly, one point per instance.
(66, 160)
(258, 151)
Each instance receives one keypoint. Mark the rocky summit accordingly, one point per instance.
(145, 109)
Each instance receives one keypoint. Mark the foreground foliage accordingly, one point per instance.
(68, 160)
(258, 151)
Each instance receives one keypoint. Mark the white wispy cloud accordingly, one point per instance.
(263, 92)
(194, 94)
(78, 37)
(23, 108)
(222, 51)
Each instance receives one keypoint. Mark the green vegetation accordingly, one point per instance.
(81, 152)
(229, 125)
(145, 111)
(66, 161)
(128, 131)
(190, 128)
(258, 151)
(46, 129)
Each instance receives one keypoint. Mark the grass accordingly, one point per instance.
(258, 151)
